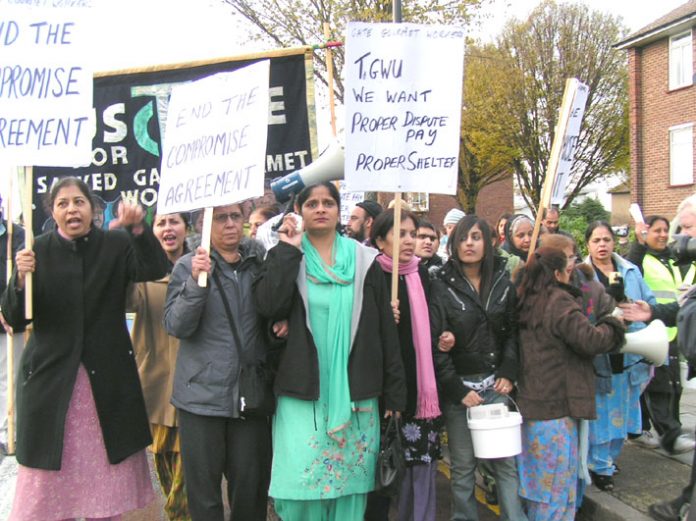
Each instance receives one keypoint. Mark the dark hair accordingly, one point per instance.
(423, 223)
(266, 211)
(70, 181)
(307, 192)
(385, 222)
(598, 224)
(550, 209)
(652, 219)
(459, 235)
(540, 272)
(185, 216)
(558, 241)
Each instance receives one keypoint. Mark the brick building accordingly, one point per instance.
(662, 97)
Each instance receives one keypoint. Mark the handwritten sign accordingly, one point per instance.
(215, 140)
(570, 141)
(403, 107)
(348, 201)
(45, 87)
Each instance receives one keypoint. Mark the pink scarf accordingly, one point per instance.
(428, 405)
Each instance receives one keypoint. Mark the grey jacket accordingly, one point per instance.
(207, 366)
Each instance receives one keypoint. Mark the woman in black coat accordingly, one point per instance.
(82, 426)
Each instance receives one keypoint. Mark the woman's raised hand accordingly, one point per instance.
(25, 261)
(289, 231)
(129, 214)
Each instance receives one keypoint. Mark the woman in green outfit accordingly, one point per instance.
(341, 355)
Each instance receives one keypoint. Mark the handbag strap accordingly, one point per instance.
(392, 425)
(228, 312)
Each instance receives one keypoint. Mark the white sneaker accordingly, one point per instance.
(648, 440)
(683, 444)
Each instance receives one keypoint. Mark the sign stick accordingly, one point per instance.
(330, 79)
(205, 241)
(10, 338)
(552, 166)
(28, 215)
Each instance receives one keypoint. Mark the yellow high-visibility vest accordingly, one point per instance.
(665, 282)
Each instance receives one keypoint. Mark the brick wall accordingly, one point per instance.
(653, 110)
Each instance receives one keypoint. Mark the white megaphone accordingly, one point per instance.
(327, 167)
(651, 343)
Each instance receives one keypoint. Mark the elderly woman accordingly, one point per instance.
(155, 354)
(556, 382)
(473, 307)
(342, 354)
(81, 415)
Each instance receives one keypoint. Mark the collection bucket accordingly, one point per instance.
(495, 431)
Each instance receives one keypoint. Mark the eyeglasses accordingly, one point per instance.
(221, 218)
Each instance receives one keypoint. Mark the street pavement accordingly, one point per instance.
(646, 476)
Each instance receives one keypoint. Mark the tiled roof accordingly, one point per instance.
(682, 13)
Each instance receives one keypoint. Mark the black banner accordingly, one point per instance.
(131, 112)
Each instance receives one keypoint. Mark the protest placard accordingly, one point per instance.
(570, 141)
(403, 107)
(215, 140)
(348, 201)
(45, 87)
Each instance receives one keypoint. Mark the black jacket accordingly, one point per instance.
(79, 297)
(374, 367)
(485, 332)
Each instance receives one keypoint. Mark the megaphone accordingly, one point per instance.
(327, 167)
(650, 343)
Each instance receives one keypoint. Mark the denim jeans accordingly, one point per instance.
(463, 481)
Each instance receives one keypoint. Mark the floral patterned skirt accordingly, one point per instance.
(548, 468)
(87, 485)
(308, 464)
(421, 440)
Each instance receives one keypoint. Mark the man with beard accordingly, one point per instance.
(361, 219)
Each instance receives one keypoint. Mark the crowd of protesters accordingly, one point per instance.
(480, 316)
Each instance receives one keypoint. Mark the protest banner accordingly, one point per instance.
(348, 201)
(562, 150)
(131, 113)
(215, 141)
(570, 141)
(45, 87)
(403, 107)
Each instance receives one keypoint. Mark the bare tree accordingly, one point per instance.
(288, 23)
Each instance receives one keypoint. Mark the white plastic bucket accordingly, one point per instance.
(495, 431)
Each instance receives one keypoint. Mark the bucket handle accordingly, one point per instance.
(468, 409)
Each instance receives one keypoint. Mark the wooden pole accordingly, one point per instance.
(552, 167)
(396, 230)
(10, 338)
(28, 214)
(330, 79)
(205, 241)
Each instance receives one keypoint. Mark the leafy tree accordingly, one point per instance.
(578, 216)
(485, 155)
(556, 42)
(289, 23)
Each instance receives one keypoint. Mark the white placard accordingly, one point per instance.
(215, 140)
(403, 107)
(46, 115)
(348, 201)
(570, 141)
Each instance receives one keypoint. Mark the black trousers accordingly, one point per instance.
(662, 398)
(240, 450)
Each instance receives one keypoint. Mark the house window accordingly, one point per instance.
(681, 154)
(680, 61)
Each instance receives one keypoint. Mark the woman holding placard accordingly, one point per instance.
(81, 415)
(420, 430)
(342, 354)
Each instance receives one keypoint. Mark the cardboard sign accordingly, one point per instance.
(403, 107)
(215, 140)
(570, 140)
(45, 87)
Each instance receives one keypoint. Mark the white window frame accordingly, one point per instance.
(681, 60)
(681, 161)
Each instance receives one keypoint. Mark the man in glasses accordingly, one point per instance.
(216, 324)
(427, 243)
